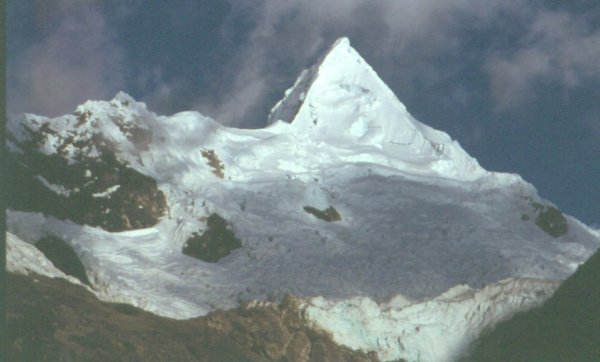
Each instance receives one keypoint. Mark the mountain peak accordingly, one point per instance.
(342, 101)
(341, 51)
(327, 65)
(340, 77)
(340, 43)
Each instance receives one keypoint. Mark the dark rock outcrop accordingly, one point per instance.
(214, 162)
(548, 218)
(81, 178)
(53, 320)
(63, 257)
(330, 214)
(213, 244)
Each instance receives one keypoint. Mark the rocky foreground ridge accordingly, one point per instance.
(54, 320)
(51, 319)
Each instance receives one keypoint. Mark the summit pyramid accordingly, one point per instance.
(342, 101)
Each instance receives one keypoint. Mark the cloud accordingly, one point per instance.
(416, 46)
(412, 44)
(405, 39)
(75, 58)
(287, 37)
(557, 47)
(592, 123)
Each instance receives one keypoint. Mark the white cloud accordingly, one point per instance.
(558, 47)
(81, 57)
(290, 33)
(78, 59)
(402, 36)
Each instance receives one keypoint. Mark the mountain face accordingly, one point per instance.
(76, 168)
(385, 230)
(341, 102)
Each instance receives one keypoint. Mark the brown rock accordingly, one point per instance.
(53, 320)
(98, 191)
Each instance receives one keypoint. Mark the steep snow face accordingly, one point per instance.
(436, 330)
(341, 101)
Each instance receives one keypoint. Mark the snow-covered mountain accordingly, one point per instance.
(381, 226)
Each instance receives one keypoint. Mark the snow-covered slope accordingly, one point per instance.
(439, 329)
(419, 216)
(341, 101)
(24, 258)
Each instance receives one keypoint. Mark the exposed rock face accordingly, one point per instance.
(135, 201)
(214, 243)
(330, 214)
(214, 162)
(53, 320)
(68, 168)
(548, 218)
(62, 257)
(551, 220)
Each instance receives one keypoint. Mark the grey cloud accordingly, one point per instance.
(76, 59)
(558, 47)
(290, 35)
(282, 35)
(80, 57)
(401, 36)
(512, 78)
(405, 38)
(592, 122)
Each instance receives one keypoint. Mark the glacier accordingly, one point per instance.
(429, 243)
(439, 329)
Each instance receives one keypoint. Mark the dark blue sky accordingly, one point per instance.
(516, 82)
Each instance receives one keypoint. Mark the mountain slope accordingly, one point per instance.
(344, 195)
(439, 329)
(52, 320)
(341, 101)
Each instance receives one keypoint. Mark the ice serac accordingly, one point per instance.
(342, 101)
(435, 330)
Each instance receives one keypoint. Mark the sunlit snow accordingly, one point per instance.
(419, 215)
